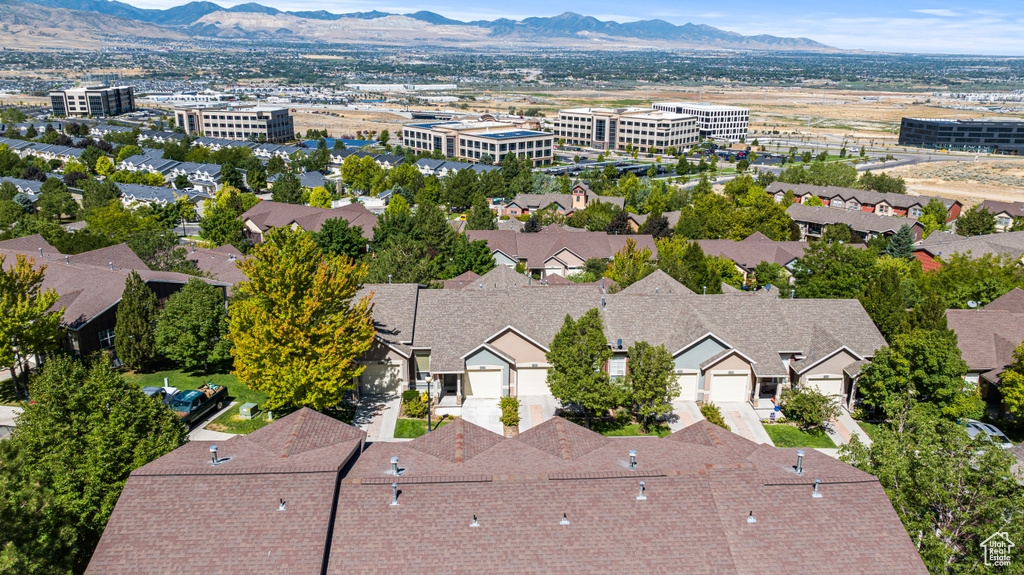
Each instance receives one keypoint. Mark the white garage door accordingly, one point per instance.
(729, 388)
(378, 378)
(688, 387)
(830, 386)
(483, 383)
(532, 381)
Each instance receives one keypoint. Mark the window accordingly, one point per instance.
(106, 338)
(617, 366)
(916, 212)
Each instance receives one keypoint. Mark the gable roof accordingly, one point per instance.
(657, 282)
(858, 220)
(754, 249)
(869, 197)
(268, 214)
(1005, 244)
(537, 248)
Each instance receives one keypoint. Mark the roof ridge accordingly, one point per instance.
(563, 441)
(294, 435)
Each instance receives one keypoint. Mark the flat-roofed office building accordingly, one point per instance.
(643, 129)
(713, 120)
(472, 140)
(261, 123)
(92, 101)
(973, 135)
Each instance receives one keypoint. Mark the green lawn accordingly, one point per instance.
(413, 428)
(789, 436)
(620, 427)
(869, 428)
(7, 393)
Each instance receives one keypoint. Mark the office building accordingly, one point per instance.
(714, 121)
(472, 140)
(233, 122)
(986, 135)
(641, 129)
(93, 101)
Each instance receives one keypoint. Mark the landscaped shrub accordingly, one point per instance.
(413, 404)
(711, 413)
(410, 395)
(509, 411)
(810, 408)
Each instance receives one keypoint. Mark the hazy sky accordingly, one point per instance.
(896, 25)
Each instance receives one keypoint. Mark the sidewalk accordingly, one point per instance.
(843, 428)
(377, 415)
(8, 414)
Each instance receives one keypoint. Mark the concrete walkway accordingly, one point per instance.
(685, 414)
(841, 429)
(8, 414)
(535, 409)
(743, 421)
(200, 433)
(484, 412)
(377, 415)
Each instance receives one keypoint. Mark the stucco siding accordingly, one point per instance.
(484, 358)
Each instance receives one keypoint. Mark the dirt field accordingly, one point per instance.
(967, 181)
(345, 123)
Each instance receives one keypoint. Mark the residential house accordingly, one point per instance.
(813, 219)
(504, 329)
(220, 263)
(1006, 213)
(267, 214)
(579, 198)
(160, 136)
(987, 338)
(886, 204)
(315, 499)
(90, 285)
(636, 221)
(941, 245)
(132, 194)
(267, 151)
(555, 250)
(442, 168)
(754, 249)
(386, 161)
(30, 188)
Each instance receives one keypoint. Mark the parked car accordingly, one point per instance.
(193, 404)
(991, 432)
(164, 394)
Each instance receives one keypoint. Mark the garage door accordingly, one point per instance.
(532, 381)
(830, 386)
(378, 378)
(688, 387)
(729, 388)
(483, 383)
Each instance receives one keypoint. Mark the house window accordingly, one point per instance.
(617, 367)
(106, 338)
(1004, 222)
(916, 212)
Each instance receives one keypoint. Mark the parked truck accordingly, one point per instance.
(192, 404)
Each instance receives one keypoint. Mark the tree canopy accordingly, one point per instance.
(577, 356)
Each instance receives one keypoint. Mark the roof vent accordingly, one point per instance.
(602, 301)
(40, 252)
(394, 494)
(281, 507)
(111, 266)
(816, 494)
(213, 454)
(655, 291)
(800, 462)
(565, 519)
(750, 518)
(394, 467)
(642, 496)
(475, 523)
(67, 260)
(632, 457)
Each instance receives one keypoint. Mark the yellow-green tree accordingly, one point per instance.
(104, 166)
(28, 325)
(297, 328)
(1012, 386)
(630, 264)
(319, 197)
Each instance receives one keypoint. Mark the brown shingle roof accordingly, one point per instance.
(987, 337)
(1006, 244)
(267, 214)
(754, 249)
(536, 248)
(859, 221)
(1011, 301)
(220, 262)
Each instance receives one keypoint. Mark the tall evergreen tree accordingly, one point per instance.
(975, 222)
(480, 216)
(286, 189)
(336, 236)
(578, 355)
(135, 332)
(901, 244)
(930, 313)
(651, 383)
(686, 263)
(883, 300)
(394, 225)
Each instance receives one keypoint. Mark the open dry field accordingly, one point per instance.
(968, 181)
(345, 123)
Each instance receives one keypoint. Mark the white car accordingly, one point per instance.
(975, 427)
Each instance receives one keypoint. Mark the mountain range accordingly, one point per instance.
(254, 20)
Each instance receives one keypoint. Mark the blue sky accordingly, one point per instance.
(894, 25)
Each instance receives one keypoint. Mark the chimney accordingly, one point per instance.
(800, 462)
(816, 494)
(394, 494)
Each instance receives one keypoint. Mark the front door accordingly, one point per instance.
(450, 386)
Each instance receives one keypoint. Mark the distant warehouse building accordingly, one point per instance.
(262, 123)
(985, 135)
(642, 129)
(93, 101)
(713, 120)
(473, 140)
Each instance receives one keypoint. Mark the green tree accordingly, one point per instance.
(630, 264)
(1011, 386)
(774, 275)
(337, 237)
(55, 200)
(578, 354)
(950, 492)
(394, 224)
(61, 487)
(835, 271)
(928, 366)
(713, 414)
(220, 225)
(135, 331)
(192, 326)
(104, 166)
(975, 222)
(286, 189)
(809, 407)
(651, 383)
(480, 216)
(297, 328)
(97, 195)
(686, 263)
(181, 182)
(405, 260)
(929, 313)
(901, 244)
(29, 325)
(883, 300)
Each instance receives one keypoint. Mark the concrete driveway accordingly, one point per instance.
(8, 414)
(743, 421)
(535, 409)
(377, 415)
(483, 412)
